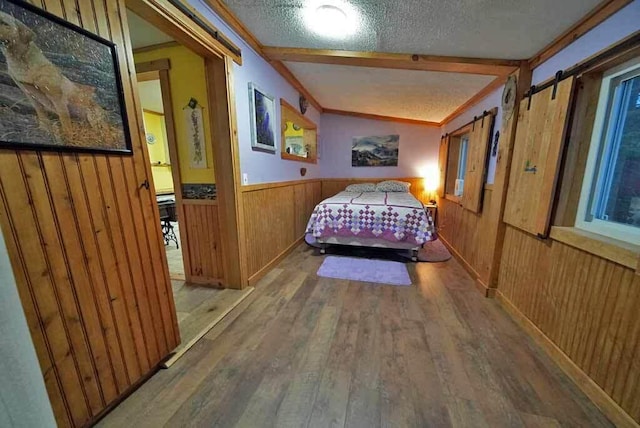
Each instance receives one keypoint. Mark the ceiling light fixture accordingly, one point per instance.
(334, 19)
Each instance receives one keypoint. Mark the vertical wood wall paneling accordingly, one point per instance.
(201, 224)
(585, 305)
(275, 220)
(332, 186)
(540, 136)
(87, 253)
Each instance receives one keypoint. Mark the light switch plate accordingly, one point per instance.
(245, 178)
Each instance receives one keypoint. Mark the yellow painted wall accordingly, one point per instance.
(187, 78)
(159, 152)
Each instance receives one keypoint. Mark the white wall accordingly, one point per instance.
(260, 166)
(23, 397)
(418, 149)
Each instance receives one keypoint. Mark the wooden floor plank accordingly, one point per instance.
(311, 351)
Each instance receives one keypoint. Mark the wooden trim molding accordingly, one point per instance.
(381, 117)
(253, 279)
(182, 26)
(171, 44)
(610, 408)
(486, 91)
(273, 185)
(591, 20)
(153, 66)
(494, 67)
(620, 252)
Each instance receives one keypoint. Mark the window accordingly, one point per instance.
(610, 198)
(457, 164)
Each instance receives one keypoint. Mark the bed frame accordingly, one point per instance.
(368, 242)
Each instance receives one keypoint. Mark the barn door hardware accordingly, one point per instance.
(555, 84)
(529, 168)
(532, 90)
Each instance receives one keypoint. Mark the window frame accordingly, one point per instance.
(456, 138)
(599, 144)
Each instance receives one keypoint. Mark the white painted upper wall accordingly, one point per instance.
(418, 148)
(618, 26)
(260, 166)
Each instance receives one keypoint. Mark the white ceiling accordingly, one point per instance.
(512, 29)
(505, 29)
(151, 95)
(144, 34)
(409, 94)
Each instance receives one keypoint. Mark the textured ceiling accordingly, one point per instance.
(151, 95)
(409, 94)
(144, 34)
(513, 29)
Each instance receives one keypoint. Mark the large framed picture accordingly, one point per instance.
(60, 85)
(263, 119)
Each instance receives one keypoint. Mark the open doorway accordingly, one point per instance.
(174, 97)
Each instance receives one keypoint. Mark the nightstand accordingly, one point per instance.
(433, 210)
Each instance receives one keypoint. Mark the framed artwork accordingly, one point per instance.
(60, 85)
(375, 151)
(263, 119)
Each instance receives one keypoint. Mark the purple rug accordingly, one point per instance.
(434, 251)
(365, 270)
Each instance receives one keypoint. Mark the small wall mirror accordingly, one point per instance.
(299, 135)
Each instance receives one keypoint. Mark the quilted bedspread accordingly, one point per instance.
(392, 216)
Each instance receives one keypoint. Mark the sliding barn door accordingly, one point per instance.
(476, 171)
(540, 135)
(85, 245)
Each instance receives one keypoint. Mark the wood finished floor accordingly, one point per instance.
(308, 351)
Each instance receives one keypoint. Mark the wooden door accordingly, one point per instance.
(86, 248)
(540, 135)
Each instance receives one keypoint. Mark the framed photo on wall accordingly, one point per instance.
(262, 110)
(60, 85)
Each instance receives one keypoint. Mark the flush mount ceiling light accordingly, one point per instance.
(334, 19)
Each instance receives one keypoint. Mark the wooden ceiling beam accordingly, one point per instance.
(381, 117)
(591, 20)
(223, 11)
(449, 64)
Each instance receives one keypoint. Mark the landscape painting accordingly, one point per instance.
(60, 85)
(375, 151)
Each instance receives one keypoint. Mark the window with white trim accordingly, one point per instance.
(610, 198)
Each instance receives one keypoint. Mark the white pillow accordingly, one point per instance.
(361, 187)
(393, 186)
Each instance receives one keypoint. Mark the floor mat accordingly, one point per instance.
(365, 270)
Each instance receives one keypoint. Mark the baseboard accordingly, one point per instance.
(597, 395)
(253, 279)
(480, 285)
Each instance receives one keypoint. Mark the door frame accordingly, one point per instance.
(220, 97)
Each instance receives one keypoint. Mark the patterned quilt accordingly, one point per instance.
(392, 216)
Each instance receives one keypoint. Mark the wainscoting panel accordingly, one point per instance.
(275, 216)
(86, 249)
(586, 305)
(331, 186)
(201, 224)
(470, 235)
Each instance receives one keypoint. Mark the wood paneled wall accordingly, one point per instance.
(275, 217)
(586, 305)
(87, 252)
(201, 224)
(471, 236)
(331, 186)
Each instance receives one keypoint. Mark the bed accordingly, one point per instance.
(372, 219)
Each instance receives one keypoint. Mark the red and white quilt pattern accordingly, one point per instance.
(392, 216)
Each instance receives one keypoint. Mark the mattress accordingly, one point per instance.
(396, 218)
